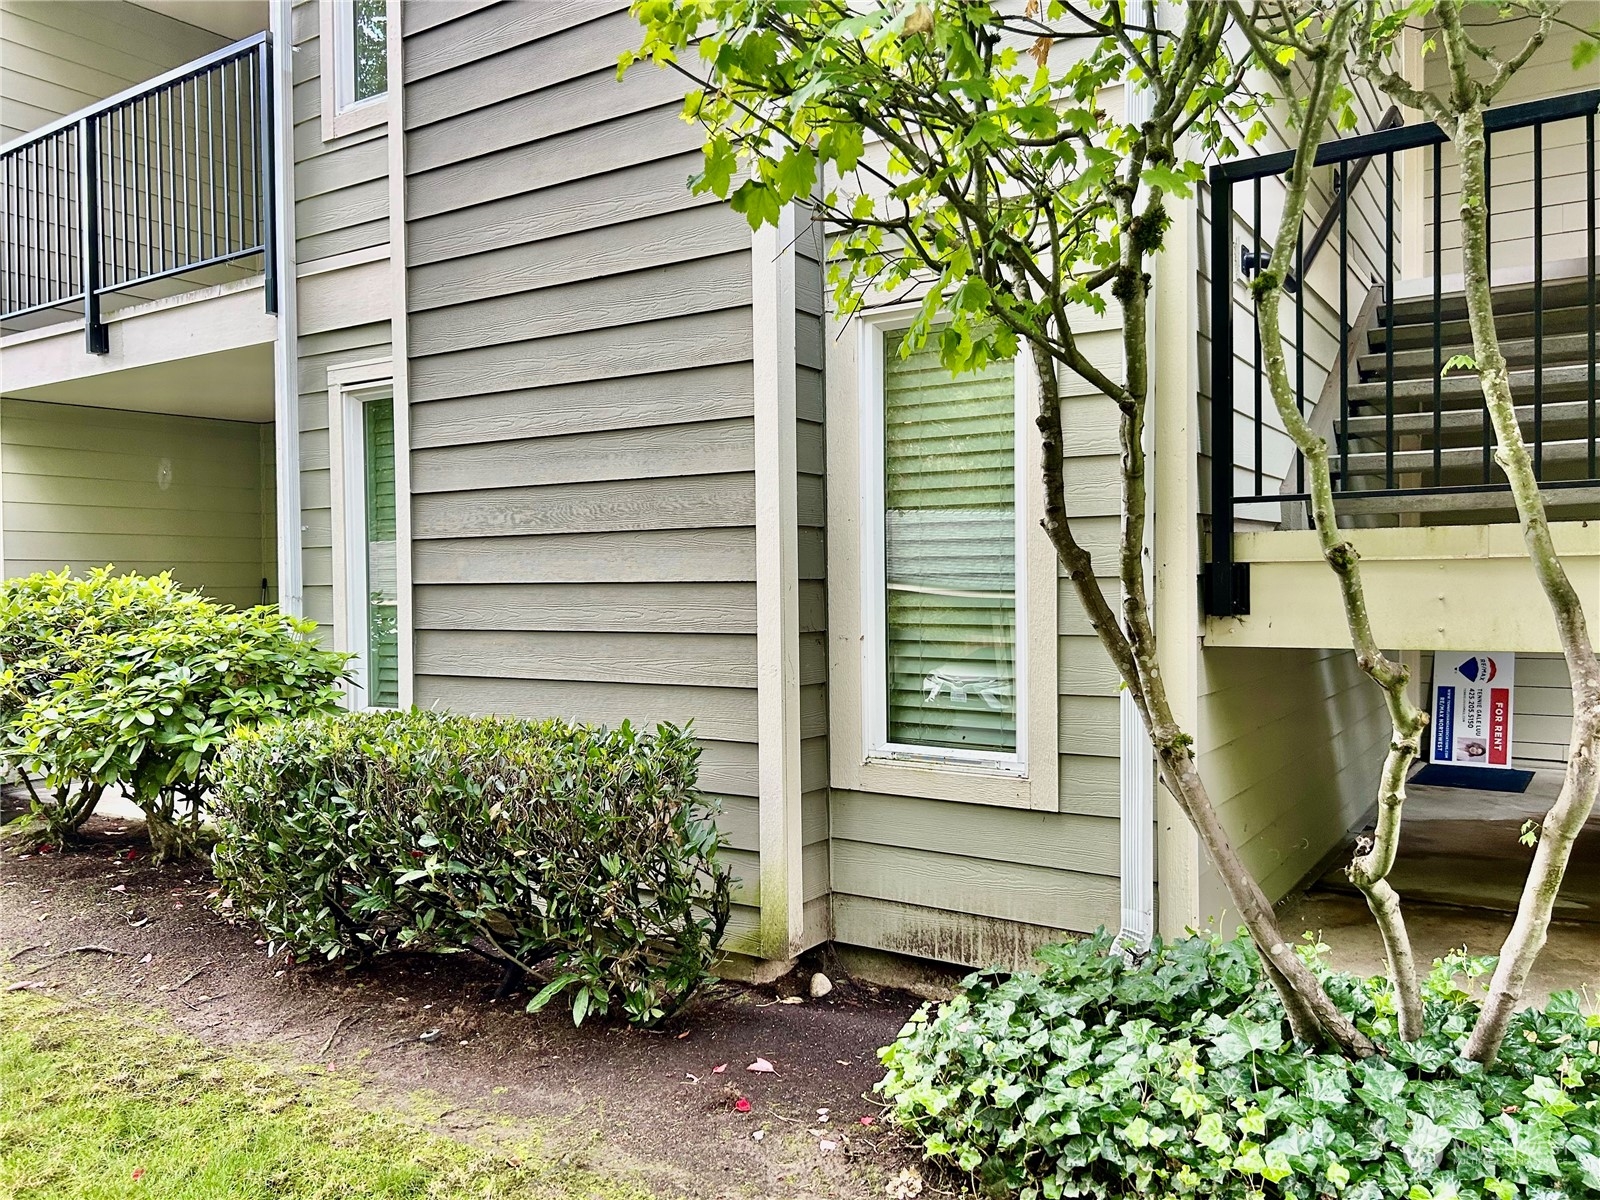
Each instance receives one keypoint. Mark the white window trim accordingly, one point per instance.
(349, 387)
(861, 758)
(340, 115)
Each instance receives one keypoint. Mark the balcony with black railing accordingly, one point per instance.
(1381, 356)
(161, 189)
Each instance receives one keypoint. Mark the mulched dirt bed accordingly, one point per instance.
(653, 1106)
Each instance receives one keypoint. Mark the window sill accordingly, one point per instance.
(1001, 785)
(358, 117)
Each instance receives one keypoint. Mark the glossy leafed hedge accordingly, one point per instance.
(135, 682)
(1174, 1077)
(581, 851)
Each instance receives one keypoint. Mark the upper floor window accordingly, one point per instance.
(363, 51)
(355, 74)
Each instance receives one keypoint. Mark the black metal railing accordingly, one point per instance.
(167, 179)
(1405, 431)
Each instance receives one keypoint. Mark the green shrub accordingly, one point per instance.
(132, 681)
(1099, 1078)
(528, 841)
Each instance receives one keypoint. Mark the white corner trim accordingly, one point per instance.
(349, 386)
(772, 269)
(399, 348)
(285, 349)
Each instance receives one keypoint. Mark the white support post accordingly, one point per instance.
(285, 351)
(777, 589)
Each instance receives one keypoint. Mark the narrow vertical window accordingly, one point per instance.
(381, 661)
(363, 51)
(949, 581)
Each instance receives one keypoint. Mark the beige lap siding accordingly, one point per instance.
(581, 403)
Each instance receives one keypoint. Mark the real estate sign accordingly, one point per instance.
(1472, 708)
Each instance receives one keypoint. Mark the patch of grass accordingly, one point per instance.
(96, 1106)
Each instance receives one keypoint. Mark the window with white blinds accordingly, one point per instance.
(949, 564)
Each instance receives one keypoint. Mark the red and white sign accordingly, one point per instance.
(1472, 708)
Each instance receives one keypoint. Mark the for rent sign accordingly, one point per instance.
(1472, 708)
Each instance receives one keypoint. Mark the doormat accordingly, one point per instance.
(1483, 779)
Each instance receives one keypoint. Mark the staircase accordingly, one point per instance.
(1425, 442)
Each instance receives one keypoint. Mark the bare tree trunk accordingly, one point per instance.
(1310, 1010)
(1370, 867)
(1581, 782)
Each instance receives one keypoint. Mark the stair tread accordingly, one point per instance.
(1568, 319)
(1508, 298)
(1369, 462)
(1565, 376)
(1457, 419)
(1560, 350)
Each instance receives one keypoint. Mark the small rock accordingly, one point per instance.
(821, 985)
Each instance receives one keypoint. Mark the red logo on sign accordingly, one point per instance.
(1499, 724)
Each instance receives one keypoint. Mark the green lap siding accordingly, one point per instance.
(91, 487)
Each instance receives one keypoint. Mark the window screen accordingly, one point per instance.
(950, 564)
(383, 643)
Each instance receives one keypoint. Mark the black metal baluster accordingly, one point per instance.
(139, 188)
(211, 168)
(118, 221)
(47, 235)
(1438, 317)
(1255, 315)
(1222, 598)
(1589, 131)
(265, 156)
(241, 89)
(95, 336)
(1389, 304)
(1300, 346)
(1538, 303)
(30, 228)
(183, 145)
(222, 137)
(1488, 251)
(1344, 335)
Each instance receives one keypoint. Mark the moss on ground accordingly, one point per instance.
(103, 1106)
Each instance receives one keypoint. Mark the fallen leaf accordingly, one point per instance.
(762, 1067)
(138, 1174)
(868, 1120)
(719, 1068)
(741, 1105)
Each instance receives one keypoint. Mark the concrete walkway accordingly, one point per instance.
(1460, 873)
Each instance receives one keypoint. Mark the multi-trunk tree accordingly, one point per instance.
(967, 152)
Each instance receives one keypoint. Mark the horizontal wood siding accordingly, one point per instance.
(341, 187)
(581, 402)
(91, 487)
(57, 56)
(1290, 743)
(317, 353)
(1566, 218)
(976, 884)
